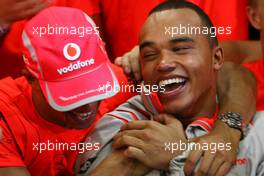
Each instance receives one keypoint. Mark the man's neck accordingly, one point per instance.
(205, 106)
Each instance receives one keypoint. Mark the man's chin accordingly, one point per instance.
(177, 108)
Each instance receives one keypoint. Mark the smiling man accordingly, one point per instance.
(186, 65)
(46, 114)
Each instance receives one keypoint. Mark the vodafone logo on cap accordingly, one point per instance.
(71, 51)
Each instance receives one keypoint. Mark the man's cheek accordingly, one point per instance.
(147, 74)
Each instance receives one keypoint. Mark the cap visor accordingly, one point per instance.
(97, 84)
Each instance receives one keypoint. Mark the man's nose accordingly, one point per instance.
(166, 64)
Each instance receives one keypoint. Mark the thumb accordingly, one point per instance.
(118, 61)
(166, 119)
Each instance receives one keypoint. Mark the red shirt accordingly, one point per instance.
(257, 68)
(10, 47)
(23, 129)
(123, 20)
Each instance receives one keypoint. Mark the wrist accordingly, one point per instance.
(234, 122)
(235, 133)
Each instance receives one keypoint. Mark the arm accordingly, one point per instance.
(234, 83)
(241, 51)
(117, 162)
(108, 161)
(15, 10)
(236, 93)
(147, 144)
(14, 171)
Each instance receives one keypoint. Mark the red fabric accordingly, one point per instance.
(257, 68)
(123, 20)
(206, 122)
(227, 13)
(22, 126)
(11, 44)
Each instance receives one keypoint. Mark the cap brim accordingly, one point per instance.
(99, 83)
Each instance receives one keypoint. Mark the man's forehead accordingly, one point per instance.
(160, 23)
(165, 25)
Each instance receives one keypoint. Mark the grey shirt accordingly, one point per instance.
(250, 155)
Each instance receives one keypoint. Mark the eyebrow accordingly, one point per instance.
(182, 39)
(145, 44)
(172, 41)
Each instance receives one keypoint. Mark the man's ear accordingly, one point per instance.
(254, 17)
(218, 57)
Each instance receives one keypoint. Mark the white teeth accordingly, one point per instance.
(171, 81)
(83, 116)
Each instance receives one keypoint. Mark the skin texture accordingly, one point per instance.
(241, 51)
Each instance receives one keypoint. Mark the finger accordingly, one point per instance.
(224, 169)
(126, 64)
(135, 153)
(137, 125)
(206, 162)
(192, 160)
(118, 61)
(125, 141)
(134, 62)
(133, 133)
(216, 165)
(167, 119)
(161, 118)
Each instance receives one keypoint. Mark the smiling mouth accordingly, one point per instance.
(173, 84)
(83, 116)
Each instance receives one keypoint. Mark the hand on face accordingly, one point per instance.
(146, 141)
(130, 63)
(14, 10)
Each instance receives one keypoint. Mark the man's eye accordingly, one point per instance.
(149, 55)
(177, 49)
